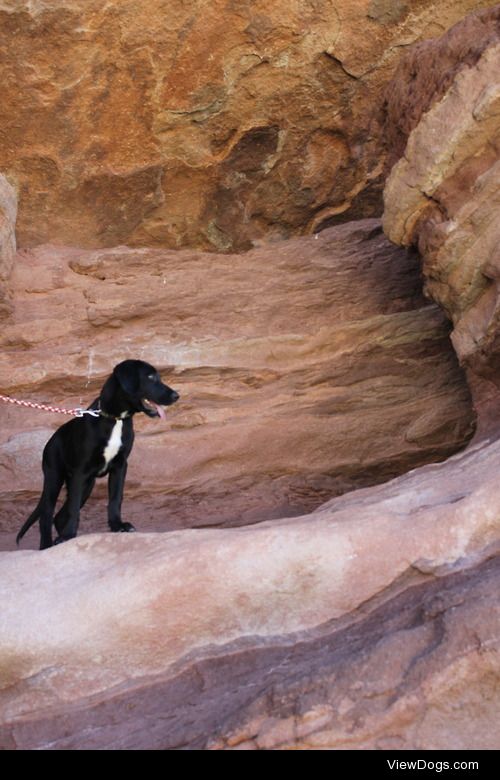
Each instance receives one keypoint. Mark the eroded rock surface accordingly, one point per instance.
(372, 622)
(209, 124)
(304, 370)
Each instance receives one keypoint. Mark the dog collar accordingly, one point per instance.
(122, 416)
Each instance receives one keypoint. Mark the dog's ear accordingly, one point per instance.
(108, 392)
(128, 376)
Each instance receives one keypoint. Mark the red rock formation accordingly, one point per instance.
(304, 369)
(203, 124)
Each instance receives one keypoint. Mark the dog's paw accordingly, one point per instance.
(61, 539)
(123, 528)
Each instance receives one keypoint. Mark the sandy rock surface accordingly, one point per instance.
(148, 640)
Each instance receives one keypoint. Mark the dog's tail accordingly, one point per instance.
(29, 522)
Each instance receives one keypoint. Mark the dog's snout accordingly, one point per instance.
(173, 396)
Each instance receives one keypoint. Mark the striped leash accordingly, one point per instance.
(45, 408)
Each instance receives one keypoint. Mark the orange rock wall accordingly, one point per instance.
(212, 124)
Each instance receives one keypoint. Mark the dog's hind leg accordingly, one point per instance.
(51, 489)
(62, 517)
(76, 484)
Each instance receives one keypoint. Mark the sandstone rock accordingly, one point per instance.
(305, 370)
(371, 623)
(8, 211)
(426, 71)
(204, 124)
(444, 196)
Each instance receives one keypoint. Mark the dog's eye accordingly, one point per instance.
(154, 377)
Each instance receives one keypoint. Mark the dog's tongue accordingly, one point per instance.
(160, 410)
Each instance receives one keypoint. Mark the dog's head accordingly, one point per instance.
(137, 386)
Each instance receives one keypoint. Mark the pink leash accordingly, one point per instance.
(45, 408)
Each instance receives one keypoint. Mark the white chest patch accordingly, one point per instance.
(114, 443)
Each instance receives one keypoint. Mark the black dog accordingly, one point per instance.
(89, 447)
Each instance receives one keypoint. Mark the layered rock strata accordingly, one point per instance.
(444, 195)
(304, 370)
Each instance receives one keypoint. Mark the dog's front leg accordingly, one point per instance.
(116, 482)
